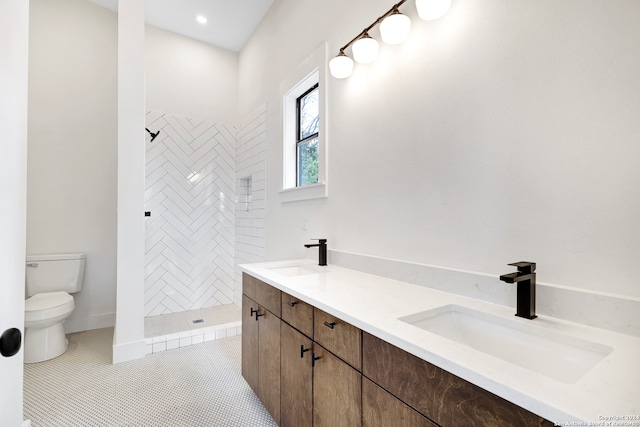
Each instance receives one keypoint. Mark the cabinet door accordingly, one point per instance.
(269, 362)
(249, 343)
(296, 378)
(337, 391)
(339, 337)
(381, 409)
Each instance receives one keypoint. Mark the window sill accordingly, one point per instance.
(307, 192)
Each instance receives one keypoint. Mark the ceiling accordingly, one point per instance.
(230, 22)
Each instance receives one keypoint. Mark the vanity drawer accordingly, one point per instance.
(262, 293)
(298, 314)
(339, 337)
(437, 394)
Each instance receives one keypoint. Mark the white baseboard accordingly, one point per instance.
(127, 351)
(88, 323)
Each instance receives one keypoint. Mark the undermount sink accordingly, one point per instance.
(296, 269)
(557, 355)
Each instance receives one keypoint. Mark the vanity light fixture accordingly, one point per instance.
(365, 49)
(341, 66)
(394, 29)
(432, 9)
(201, 19)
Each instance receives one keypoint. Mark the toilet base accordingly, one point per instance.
(42, 344)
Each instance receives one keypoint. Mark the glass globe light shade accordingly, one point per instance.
(341, 66)
(394, 29)
(365, 49)
(432, 9)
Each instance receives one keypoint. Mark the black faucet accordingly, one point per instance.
(526, 280)
(322, 250)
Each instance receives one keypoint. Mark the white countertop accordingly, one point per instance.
(608, 392)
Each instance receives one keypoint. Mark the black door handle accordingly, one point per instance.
(10, 342)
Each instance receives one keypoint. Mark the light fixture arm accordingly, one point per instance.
(376, 22)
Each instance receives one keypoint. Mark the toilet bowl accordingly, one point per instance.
(50, 279)
(44, 315)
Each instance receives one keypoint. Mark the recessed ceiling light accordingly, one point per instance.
(201, 19)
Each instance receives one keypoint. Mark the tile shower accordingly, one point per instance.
(194, 192)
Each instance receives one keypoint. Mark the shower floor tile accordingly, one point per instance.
(184, 329)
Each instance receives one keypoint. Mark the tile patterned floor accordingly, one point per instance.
(193, 386)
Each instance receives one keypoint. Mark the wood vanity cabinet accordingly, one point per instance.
(261, 342)
(325, 390)
(442, 397)
(310, 368)
(381, 409)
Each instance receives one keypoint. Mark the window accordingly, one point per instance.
(307, 121)
(304, 136)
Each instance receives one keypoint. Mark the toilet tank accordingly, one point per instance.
(54, 272)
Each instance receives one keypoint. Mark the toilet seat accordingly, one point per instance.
(47, 305)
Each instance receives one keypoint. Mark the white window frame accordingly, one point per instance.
(311, 71)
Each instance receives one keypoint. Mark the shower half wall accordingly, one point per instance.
(190, 194)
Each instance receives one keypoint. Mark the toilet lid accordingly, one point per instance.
(47, 300)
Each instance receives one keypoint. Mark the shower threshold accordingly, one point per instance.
(176, 330)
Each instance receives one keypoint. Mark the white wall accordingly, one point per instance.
(72, 153)
(506, 131)
(250, 190)
(189, 78)
(128, 335)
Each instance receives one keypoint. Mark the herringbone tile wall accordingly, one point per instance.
(191, 194)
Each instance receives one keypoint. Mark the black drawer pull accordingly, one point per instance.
(253, 311)
(292, 303)
(329, 325)
(258, 315)
(313, 359)
(303, 351)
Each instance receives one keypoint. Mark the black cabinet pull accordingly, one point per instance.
(313, 359)
(257, 314)
(303, 351)
(329, 325)
(292, 303)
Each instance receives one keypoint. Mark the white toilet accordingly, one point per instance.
(49, 281)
